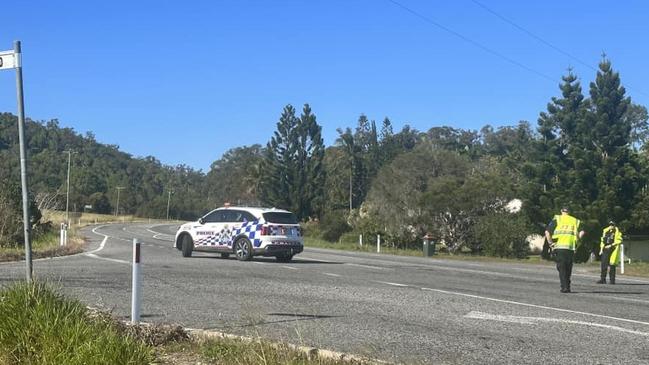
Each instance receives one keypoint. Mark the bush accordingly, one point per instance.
(333, 225)
(38, 326)
(503, 235)
(11, 215)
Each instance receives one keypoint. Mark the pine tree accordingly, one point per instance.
(618, 178)
(293, 171)
(279, 167)
(309, 180)
(553, 182)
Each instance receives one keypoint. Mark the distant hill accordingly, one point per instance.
(96, 172)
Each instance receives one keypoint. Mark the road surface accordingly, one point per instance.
(398, 309)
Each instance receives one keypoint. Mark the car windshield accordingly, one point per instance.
(280, 217)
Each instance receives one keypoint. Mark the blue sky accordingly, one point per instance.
(186, 81)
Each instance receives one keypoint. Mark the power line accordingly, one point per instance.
(538, 38)
(506, 20)
(471, 41)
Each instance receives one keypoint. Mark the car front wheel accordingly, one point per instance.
(187, 245)
(243, 249)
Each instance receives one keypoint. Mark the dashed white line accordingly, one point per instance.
(290, 267)
(392, 284)
(330, 274)
(365, 266)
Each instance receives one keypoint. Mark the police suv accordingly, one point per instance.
(244, 232)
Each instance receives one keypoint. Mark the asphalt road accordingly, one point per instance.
(399, 309)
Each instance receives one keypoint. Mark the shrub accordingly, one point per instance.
(11, 215)
(503, 235)
(333, 225)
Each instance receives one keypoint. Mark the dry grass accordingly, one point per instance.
(46, 246)
(83, 219)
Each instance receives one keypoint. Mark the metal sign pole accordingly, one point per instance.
(23, 159)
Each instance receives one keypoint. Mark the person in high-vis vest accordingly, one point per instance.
(562, 234)
(609, 251)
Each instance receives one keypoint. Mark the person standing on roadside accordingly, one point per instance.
(609, 251)
(562, 234)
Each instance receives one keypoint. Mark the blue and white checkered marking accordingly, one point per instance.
(227, 235)
(251, 230)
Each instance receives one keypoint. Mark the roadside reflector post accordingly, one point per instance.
(360, 240)
(622, 258)
(378, 243)
(136, 295)
(63, 241)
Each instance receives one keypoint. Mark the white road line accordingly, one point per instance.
(157, 235)
(107, 259)
(535, 320)
(392, 284)
(310, 259)
(535, 306)
(290, 267)
(330, 274)
(365, 266)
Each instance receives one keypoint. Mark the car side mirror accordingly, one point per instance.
(201, 220)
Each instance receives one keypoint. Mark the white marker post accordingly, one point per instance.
(360, 240)
(136, 297)
(622, 257)
(378, 243)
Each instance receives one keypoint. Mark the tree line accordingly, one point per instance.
(587, 152)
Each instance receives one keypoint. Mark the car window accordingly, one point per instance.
(232, 216)
(248, 217)
(215, 217)
(280, 217)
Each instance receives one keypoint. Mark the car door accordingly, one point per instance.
(232, 220)
(207, 233)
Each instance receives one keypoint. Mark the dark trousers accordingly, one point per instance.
(606, 256)
(564, 265)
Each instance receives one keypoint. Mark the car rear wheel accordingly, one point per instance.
(187, 245)
(284, 258)
(243, 249)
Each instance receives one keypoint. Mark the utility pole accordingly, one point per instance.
(119, 188)
(9, 60)
(168, 202)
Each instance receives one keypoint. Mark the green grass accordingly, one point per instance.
(39, 326)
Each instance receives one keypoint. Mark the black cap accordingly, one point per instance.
(565, 209)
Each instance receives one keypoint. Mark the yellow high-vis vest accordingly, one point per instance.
(617, 241)
(565, 233)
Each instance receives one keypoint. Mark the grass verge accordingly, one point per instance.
(636, 268)
(46, 245)
(39, 326)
